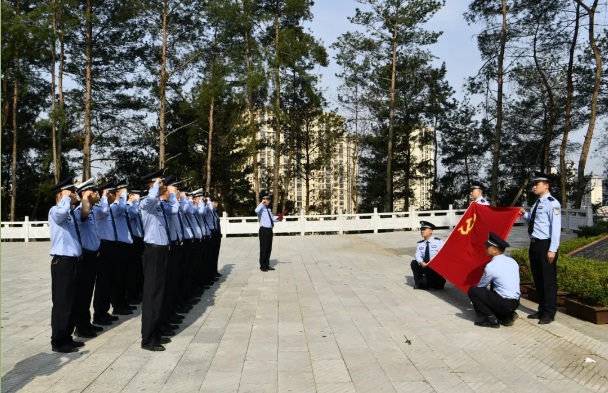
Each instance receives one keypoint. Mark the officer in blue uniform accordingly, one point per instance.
(426, 249)
(477, 189)
(155, 259)
(134, 267)
(122, 226)
(194, 264)
(544, 228)
(265, 233)
(87, 224)
(216, 237)
(106, 229)
(497, 306)
(66, 251)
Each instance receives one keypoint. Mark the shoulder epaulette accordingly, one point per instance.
(437, 238)
(482, 200)
(551, 199)
(421, 241)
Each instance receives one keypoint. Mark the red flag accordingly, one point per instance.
(463, 257)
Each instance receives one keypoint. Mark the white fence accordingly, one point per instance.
(314, 224)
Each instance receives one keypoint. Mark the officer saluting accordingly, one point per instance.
(544, 228)
(426, 249)
(477, 189)
(66, 251)
(265, 234)
(155, 259)
(503, 273)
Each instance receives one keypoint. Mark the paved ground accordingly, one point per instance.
(338, 315)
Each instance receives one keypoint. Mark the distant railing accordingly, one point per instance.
(316, 224)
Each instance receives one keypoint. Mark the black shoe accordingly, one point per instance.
(183, 309)
(95, 328)
(216, 279)
(487, 323)
(152, 347)
(66, 348)
(175, 319)
(76, 344)
(102, 322)
(416, 286)
(545, 320)
(264, 269)
(510, 320)
(121, 311)
(270, 268)
(167, 332)
(85, 333)
(218, 274)
(536, 315)
(134, 301)
(129, 307)
(164, 340)
(170, 327)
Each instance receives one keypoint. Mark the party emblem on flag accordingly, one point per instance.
(462, 259)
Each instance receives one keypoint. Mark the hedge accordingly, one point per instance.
(587, 279)
(600, 228)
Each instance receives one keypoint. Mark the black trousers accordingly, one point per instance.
(86, 283)
(487, 303)
(105, 278)
(425, 277)
(216, 241)
(195, 273)
(545, 277)
(135, 270)
(155, 261)
(185, 270)
(171, 281)
(122, 260)
(265, 235)
(207, 267)
(64, 275)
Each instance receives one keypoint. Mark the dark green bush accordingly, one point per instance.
(522, 259)
(599, 228)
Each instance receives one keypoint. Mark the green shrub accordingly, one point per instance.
(599, 228)
(522, 259)
(575, 243)
(587, 279)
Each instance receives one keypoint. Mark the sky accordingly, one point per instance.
(457, 47)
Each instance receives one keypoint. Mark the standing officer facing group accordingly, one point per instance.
(544, 228)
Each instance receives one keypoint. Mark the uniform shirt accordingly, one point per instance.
(186, 221)
(504, 273)
(265, 216)
(202, 208)
(171, 209)
(548, 221)
(195, 220)
(135, 218)
(155, 225)
(435, 245)
(119, 210)
(64, 238)
(482, 201)
(88, 228)
(210, 216)
(105, 228)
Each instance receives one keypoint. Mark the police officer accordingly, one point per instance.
(544, 228)
(87, 224)
(209, 245)
(216, 237)
(497, 306)
(134, 267)
(477, 189)
(426, 249)
(66, 251)
(265, 233)
(122, 225)
(155, 259)
(106, 229)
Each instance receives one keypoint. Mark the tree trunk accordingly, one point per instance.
(551, 108)
(62, 121)
(435, 148)
(210, 145)
(354, 178)
(86, 150)
(15, 132)
(162, 90)
(391, 131)
(277, 118)
(570, 95)
(252, 121)
(498, 132)
(596, 90)
(56, 171)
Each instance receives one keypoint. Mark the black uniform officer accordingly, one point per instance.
(426, 249)
(544, 228)
(497, 306)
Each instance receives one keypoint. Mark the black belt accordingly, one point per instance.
(266, 228)
(151, 245)
(188, 240)
(103, 241)
(534, 240)
(86, 251)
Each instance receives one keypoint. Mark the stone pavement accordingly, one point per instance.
(338, 315)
